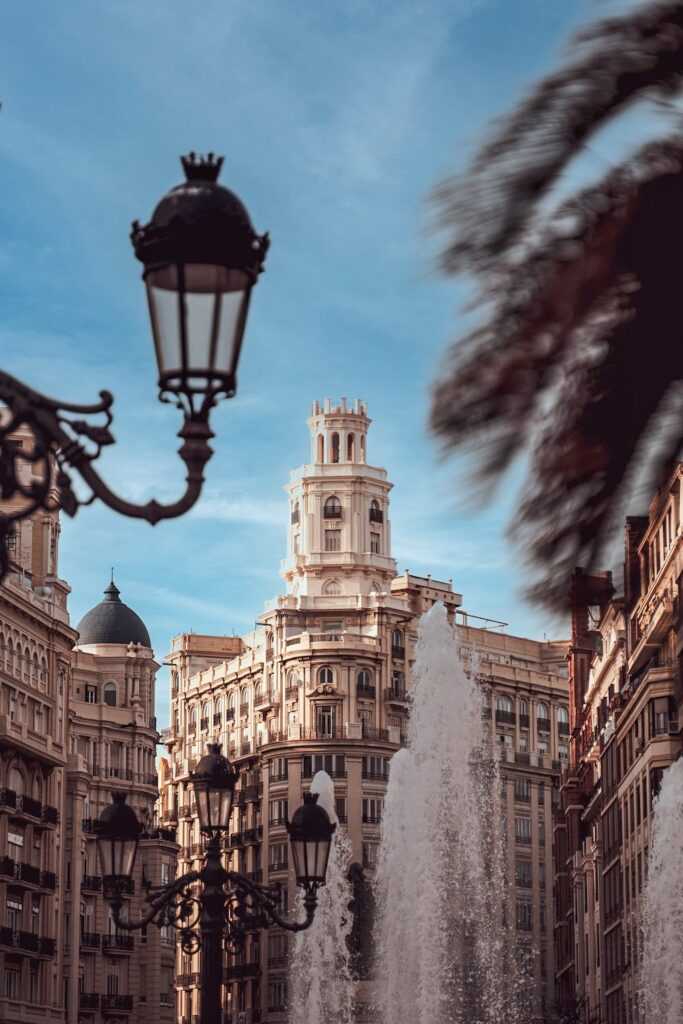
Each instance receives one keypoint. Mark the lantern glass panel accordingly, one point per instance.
(203, 809)
(164, 311)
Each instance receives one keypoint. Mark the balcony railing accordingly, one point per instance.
(48, 880)
(369, 732)
(396, 696)
(524, 721)
(89, 1000)
(28, 873)
(376, 515)
(255, 876)
(248, 970)
(370, 773)
(90, 940)
(89, 825)
(366, 691)
(371, 819)
(277, 821)
(27, 942)
(506, 717)
(91, 883)
(50, 815)
(398, 652)
(563, 728)
(27, 805)
(278, 865)
(333, 512)
(122, 943)
(8, 798)
(543, 724)
(124, 1004)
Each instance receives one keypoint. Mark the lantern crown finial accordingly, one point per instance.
(200, 168)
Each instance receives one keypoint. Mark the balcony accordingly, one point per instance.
(91, 883)
(124, 1004)
(8, 798)
(245, 747)
(248, 970)
(396, 696)
(236, 839)
(367, 692)
(369, 732)
(50, 815)
(252, 792)
(376, 515)
(250, 835)
(89, 1000)
(27, 805)
(506, 717)
(543, 724)
(371, 819)
(277, 963)
(369, 773)
(275, 822)
(27, 942)
(524, 721)
(278, 865)
(27, 873)
(332, 512)
(90, 940)
(563, 728)
(398, 652)
(89, 825)
(255, 876)
(185, 811)
(118, 943)
(124, 885)
(217, 719)
(48, 880)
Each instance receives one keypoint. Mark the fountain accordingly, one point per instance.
(445, 954)
(320, 984)
(662, 922)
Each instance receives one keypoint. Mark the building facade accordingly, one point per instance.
(625, 685)
(323, 682)
(76, 723)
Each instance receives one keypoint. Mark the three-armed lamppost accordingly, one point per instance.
(201, 258)
(228, 905)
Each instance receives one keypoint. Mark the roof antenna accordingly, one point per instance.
(112, 574)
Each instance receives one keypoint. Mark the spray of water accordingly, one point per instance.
(320, 984)
(662, 964)
(446, 955)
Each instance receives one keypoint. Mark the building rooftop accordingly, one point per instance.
(112, 622)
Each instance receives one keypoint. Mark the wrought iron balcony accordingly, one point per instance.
(543, 724)
(278, 865)
(8, 798)
(396, 696)
(332, 512)
(248, 970)
(124, 1004)
(398, 652)
(368, 692)
(27, 805)
(121, 943)
(89, 1000)
(369, 732)
(50, 815)
(506, 717)
(48, 880)
(90, 940)
(28, 873)
(376, 515)
(91, 883)
(88, 825)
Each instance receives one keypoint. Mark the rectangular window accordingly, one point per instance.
(34, 981)
(91, 695)
(524, 916)
(35, 914)
(372, 811)
(15, 907)
(522, 790)
(277, 856)
(523, 876)
(277, 994)
(325, 720)
(277, 770)
(523, 829)
(278, 812)
(340, 808)
(12, 977)
(374, 543)
(332, 540)
(15, 844)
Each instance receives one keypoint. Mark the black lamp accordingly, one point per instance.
(310, 833)
(214, 781)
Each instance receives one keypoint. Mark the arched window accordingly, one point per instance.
(26, 664)
(362, 447)
(524, 708)
(562, 715)
(295, 513)
(332, 508)
(259, 692)
(335, 447)
(244, 701)
(364, 679)
(37, 788)
(350, 448)
(332, 588)
(542, 710)
(504, 703)
(193, 718)
(110, 694)
(321, 448)
(205, 716)
(397, 639)
(218, 712)
(325, 674)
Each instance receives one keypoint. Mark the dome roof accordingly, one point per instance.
(112, 622)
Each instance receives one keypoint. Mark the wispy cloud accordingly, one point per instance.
(242, 510)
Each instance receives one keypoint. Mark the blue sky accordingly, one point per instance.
(335, 119)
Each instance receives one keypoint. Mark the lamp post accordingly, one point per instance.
(229, 905)
(201, 259)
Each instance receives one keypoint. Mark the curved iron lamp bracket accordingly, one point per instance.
(63, 445)
(245, 907)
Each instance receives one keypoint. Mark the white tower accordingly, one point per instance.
(339, 533)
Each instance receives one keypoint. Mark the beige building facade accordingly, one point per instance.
(323, 682)
(76, 723)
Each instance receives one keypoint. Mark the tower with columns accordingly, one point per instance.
(339, 531)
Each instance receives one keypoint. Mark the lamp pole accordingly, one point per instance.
(229, 905)
(201, 259)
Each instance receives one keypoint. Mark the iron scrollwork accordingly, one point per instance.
(64, 444)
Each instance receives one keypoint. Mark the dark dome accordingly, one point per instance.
(112, 622)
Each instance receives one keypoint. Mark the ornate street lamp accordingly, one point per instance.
(201, 259)
(229, 905)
